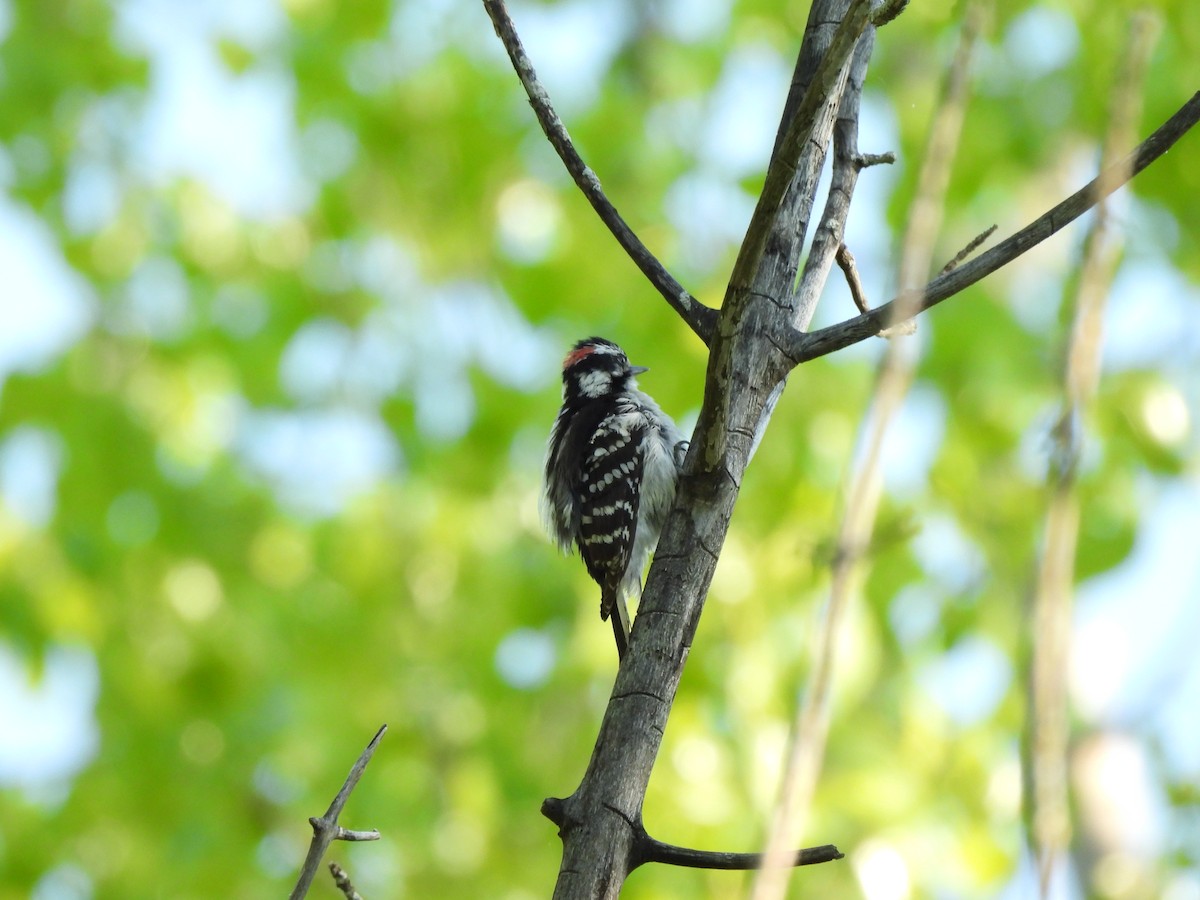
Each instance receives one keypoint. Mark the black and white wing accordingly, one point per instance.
(610, 491)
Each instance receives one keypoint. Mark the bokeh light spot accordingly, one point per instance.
(193, 589)
(525, 658)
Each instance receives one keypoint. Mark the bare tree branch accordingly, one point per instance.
(974, 244)
(743, 371)
(326, 829)
(764, 273)
(845, 261)
(847, 163)
(822, 97)
(700, 318)
(657, 851)
(342, 882)
(1049, 721)
(802, 346)
(646, 849)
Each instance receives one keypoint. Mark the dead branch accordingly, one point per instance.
(845, 261)
(974, 244)
(657, 851)
(341, 880)
(648, 850)
(326, 829)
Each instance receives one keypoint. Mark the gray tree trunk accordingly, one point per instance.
(600, 824)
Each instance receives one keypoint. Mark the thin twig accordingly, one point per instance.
(866, 160)
(966, 251)
(1050, 807)
(811, 345)
(700, 318)
(845, 261)
(342, 882)
(811, 727)
(326, 829)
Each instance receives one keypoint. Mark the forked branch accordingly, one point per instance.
(805, 346)
(826, 85)
(649, 850)
(326, 829)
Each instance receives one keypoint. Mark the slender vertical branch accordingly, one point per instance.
(1051, 818)
(862, 496)
(847, 163)
(825, 85)
(764, 273)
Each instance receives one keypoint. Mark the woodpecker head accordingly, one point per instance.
(596, 368)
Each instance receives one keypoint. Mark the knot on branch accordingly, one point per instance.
(552, 809)
(555, 809)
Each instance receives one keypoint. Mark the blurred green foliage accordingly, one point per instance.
(248, 644)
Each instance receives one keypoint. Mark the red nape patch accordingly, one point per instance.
(577, 354)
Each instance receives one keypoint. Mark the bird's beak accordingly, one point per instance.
(638, 370)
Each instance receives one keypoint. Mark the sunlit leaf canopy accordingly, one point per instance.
(285, 287)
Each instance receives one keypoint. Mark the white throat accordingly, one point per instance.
(595, 384)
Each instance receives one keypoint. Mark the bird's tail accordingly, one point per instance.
(612, 603)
